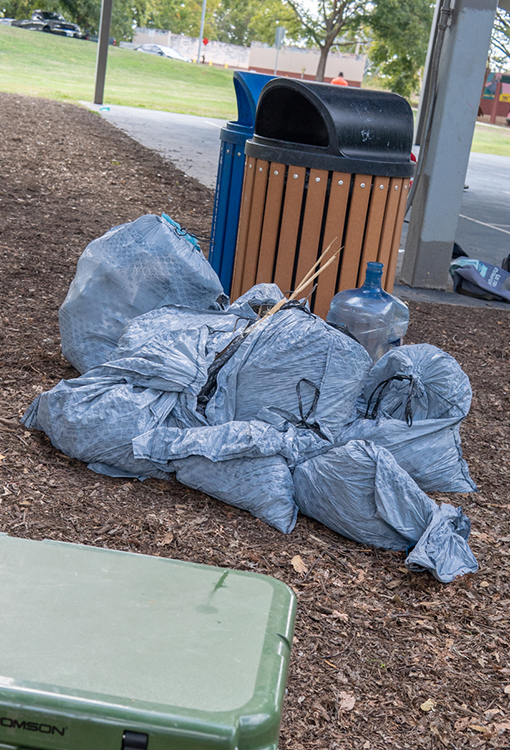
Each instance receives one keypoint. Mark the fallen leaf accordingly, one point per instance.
(502, 727)
(346, 701)
(392, 584)
(298, 565)
(429, 705)
(167, 539)
(478, 728)
(340, 615)
(507, 689)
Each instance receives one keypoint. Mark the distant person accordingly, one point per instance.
(339, 80)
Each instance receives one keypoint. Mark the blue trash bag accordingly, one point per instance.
(360, 491)
(297, 364)
(133, 268)
(94, 419)
(416, 382)
(413, 402)
(429, 450)
(262, 486)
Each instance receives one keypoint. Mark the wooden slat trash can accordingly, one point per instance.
(326, 163)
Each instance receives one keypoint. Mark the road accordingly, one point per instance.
(484, 224)
(191, 143)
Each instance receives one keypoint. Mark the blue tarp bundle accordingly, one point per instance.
(273, 415)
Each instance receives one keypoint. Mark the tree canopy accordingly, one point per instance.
(233, 21)
(323, 24)
(400, 31)
(500, 47)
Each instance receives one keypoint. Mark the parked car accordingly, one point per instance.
(6, 21)
(162, 51)
(52, 23)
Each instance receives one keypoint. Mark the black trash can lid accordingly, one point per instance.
(338, 128)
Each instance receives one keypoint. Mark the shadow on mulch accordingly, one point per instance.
(373, 642)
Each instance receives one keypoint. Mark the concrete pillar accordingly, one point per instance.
(438, 196)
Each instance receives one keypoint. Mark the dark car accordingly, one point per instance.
(52, 23)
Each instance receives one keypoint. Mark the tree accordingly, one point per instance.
(400, 32)
(323, 26)
(182, 16)
(270, 14)
(500, 45)
(231, 21)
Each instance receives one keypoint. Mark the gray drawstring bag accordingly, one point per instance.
(361, 492)
(133, 268)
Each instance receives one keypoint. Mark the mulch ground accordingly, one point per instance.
(373, 642)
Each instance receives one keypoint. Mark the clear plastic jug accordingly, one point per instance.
(378, 320)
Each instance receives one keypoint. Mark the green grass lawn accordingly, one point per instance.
(59, 68)
(491, 140)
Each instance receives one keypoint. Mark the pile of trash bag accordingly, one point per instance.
(272, 412)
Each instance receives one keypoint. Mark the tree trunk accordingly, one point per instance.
(321, 67)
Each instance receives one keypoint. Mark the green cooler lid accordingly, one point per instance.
(108, 650)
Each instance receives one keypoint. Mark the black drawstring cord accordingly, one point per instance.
(408, 410)
(303, 423)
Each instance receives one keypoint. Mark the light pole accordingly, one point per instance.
(102, 49)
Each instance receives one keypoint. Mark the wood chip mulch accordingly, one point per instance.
(382, 657)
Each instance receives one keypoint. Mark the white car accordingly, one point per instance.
(162, 51)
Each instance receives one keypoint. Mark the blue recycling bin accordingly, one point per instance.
(229, 182)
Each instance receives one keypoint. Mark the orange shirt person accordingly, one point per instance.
(339, 80)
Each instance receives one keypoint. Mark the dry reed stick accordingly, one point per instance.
(307, 279)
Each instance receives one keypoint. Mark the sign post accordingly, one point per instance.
(279, 37)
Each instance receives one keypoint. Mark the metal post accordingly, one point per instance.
(439, 188)
(279, 37)
(102, 49)
(202, 22)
